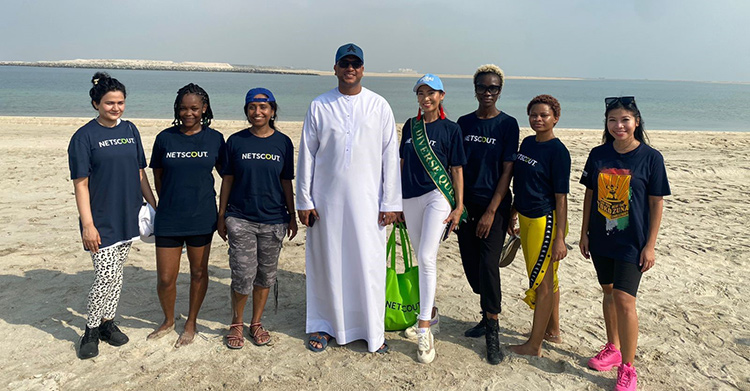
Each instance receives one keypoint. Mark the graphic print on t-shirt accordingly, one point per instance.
(614, 197)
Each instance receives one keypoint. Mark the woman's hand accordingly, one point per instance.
(221, 227)
(484, 224)
(583, 244)
(90, 238)
(512, 230)
(454, 217)
(648, 258)
(292, 231)
(559, 249)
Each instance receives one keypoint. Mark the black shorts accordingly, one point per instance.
(624, 276)
(178, 241)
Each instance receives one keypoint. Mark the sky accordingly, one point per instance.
(627, 39)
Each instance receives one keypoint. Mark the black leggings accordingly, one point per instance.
(624, 276)
(481, 257)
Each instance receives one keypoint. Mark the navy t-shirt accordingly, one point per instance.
(488, 144)
(187, 199)
(258, 164)
(541, 171)
(445, 140)
(111, 158)
(622, 183)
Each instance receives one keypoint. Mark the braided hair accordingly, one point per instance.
(102, 84)
(197, 90)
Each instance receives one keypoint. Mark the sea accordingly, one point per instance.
(671, 105)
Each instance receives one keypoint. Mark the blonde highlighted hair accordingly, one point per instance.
(491, 69)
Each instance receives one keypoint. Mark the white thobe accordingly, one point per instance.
(348, 170)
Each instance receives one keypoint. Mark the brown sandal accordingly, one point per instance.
(234, 337)
(257, 332)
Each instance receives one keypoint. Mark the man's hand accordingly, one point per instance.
(304, 216)
(387, 218)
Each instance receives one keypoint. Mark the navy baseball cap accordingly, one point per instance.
(350, 49)
(431, 81)
(250, 97)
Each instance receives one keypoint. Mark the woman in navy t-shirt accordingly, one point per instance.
(183, 159)
(256, 211)
(541, 177)
(426, 209)
(625, 183)
(490, 142)
(106, 162)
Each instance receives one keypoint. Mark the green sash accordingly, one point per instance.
(432, 164)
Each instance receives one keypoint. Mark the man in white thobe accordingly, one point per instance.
(348, 191)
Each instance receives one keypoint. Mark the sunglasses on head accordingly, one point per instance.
(356, 64)
(625, 100)
(481, 89)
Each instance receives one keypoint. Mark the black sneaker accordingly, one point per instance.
(494, 354)
(478, 330)
(89, 347)
(110, 333)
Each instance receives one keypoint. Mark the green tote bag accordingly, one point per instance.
(401, 290)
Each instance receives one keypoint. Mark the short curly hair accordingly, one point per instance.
(548, 100)
(491, 69)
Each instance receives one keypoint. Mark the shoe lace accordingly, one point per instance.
(605, 351)
(624, 376)
(424, 342)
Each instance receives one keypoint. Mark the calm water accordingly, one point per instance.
(53, 92)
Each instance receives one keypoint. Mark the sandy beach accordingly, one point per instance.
(694, 316)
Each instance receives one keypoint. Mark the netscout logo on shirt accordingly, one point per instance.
(116, 141)
(480, 139)
(186, 155)
(260, 156)
(526, 159)
(432, 142)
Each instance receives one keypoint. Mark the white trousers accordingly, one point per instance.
(424, 220)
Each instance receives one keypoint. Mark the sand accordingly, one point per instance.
(693, 304)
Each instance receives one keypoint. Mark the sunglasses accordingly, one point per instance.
(356, 64)
(625, 100)
(481, 89)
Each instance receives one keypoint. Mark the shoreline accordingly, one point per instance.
(149, 122)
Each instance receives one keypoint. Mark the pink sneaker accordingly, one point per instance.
(627, 379)
(608, 358)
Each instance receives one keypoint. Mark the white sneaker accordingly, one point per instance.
(425, 347)
(411, 332)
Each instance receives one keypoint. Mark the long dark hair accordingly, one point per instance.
(102, 84)
(640, 131)
(197, 90)
(272, 121)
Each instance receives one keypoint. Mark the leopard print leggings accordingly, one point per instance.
(105, 292)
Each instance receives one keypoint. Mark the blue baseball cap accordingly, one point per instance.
(349, 49)
(431, 81)
(250, 97)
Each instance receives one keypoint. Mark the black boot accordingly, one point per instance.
(110, 333)
(89, 347)
(478, 330)
(494, 355)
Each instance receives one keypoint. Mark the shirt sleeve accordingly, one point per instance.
(157, 152)
(139, 146)
(560, 171)
(510, 144)
(308, 149)
(458, 156)
(405, 134)
(287, 172)
(588, 173)
(658, 184)
(79, 158)
(391, 168)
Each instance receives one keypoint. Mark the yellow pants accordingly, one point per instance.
(537, 236)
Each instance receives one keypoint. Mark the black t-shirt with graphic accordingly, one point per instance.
(187, 199)
(542, 169)
(258, 166)
(111, 158)
(445, 140)
(622, 183)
